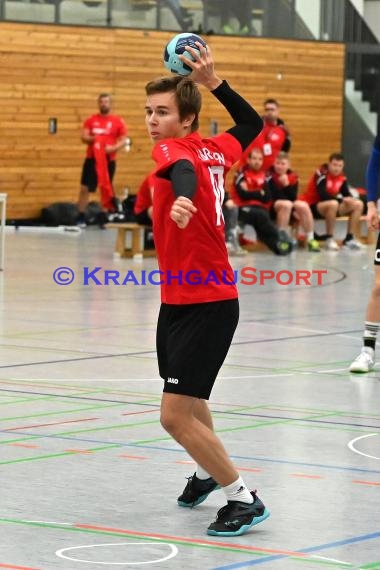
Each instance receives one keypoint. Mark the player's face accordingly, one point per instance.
(271, 112)
(162, 117)
(336, 167)
(281, 166)
(104, 104)
(255, 160)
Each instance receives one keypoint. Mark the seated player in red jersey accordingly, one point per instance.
(328, 196)
(283, 186)
(250, 192)
(143, 208)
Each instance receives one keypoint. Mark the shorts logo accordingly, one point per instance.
(173, 380)
(377, 255)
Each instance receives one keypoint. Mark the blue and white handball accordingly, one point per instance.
(177, 46)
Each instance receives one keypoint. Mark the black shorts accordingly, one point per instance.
(192, 343)
(317, 215)
(89, 177)
(376, 260)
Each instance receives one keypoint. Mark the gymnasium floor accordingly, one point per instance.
(88, 477)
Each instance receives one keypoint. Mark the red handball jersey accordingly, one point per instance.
(333, 185)
(193, 261)
(270, 141)
(255, 180)
(110, 128)
(144, 198)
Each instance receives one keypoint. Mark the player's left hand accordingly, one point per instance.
(109, 148)
(182, 211)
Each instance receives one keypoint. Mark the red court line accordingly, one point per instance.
(306, 476)
(25, 445)
(12, 567)
(367, 483)
(132, 456)
(52, 424)
(77, 451)
(192, 541)
(136, 413)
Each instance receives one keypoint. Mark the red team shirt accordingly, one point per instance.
(255, 180)
(270, 141)
(198, 251)
(110, 127)
(333, 185)
(144, 195)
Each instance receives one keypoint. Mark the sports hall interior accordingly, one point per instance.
(89, 477)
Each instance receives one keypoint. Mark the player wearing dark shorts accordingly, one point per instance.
(89, 177)
(199, 310)
(104, 134)
(365, 362)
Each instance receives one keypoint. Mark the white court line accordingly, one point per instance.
(331, 560)
(173, 552)
(353, 448)
(49, 522)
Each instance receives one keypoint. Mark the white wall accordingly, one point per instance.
(359, 5)
(310, 14)
(372, 17)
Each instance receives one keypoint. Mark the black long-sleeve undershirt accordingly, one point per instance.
(325, 195)
(261, 195)
(248, 124)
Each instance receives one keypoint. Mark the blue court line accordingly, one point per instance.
(180, 450)
(325, 546)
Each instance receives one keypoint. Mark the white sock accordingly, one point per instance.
(238, 491)
(201, 473)
(310, 236)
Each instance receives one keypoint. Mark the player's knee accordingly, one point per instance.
(170, 421)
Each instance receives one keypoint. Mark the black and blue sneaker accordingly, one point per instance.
(236, 517)
(196, 491)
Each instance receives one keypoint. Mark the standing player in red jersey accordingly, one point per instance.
(199, 311)
(104, 134)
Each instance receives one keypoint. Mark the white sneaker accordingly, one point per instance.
(235, 250)
(365, 361)
(353, 244)
(332, 245)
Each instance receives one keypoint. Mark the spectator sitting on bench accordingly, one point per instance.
(328, 196)
(251, 194)
(143, 208)
(283, 186)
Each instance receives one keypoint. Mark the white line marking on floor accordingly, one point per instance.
(353, 448)
(173, 552)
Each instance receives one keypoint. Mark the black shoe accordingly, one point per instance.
(284, 247)
(102, 220)
(236, 517)
(196, 491)
(81, 221)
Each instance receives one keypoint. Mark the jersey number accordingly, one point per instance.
(217, 183)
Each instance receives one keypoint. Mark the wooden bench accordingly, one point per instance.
(368, 239)
(134, 234)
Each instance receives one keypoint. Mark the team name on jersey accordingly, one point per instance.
(206, 154)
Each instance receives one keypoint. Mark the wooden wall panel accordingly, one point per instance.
(49, 71)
